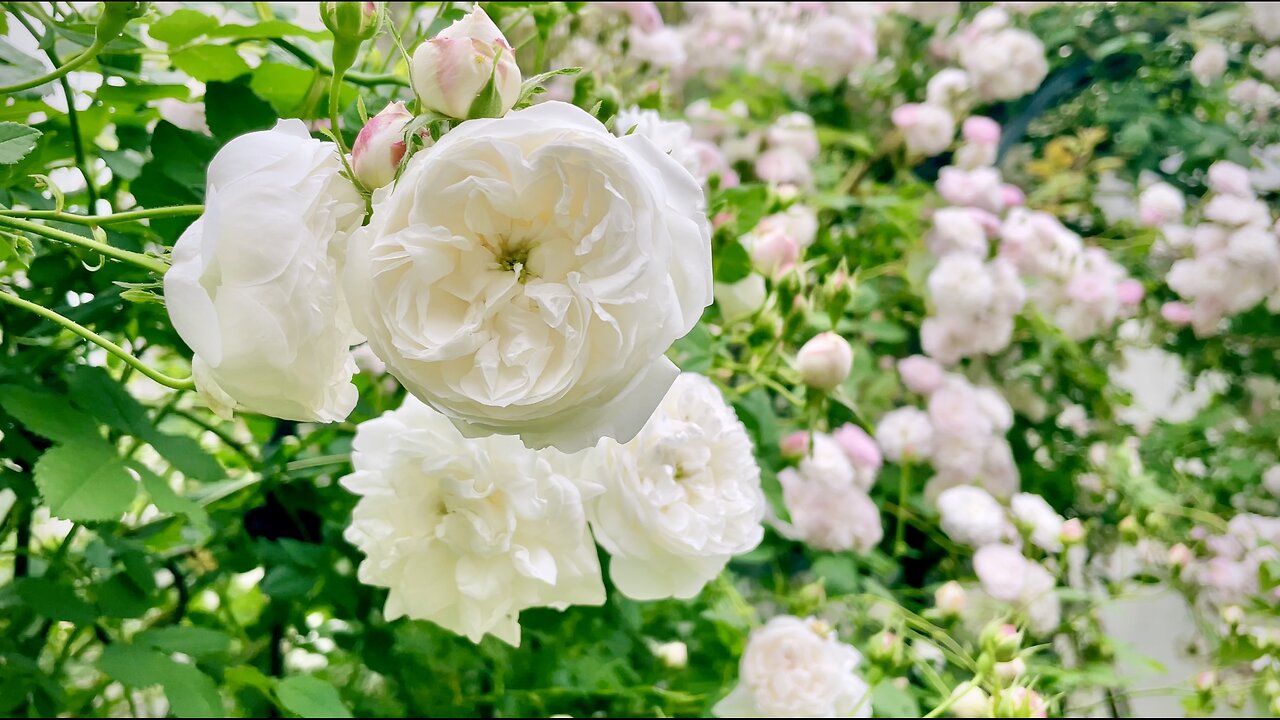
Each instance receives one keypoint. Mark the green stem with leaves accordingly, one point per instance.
(155, 265)
(95, 338)
(58, 72)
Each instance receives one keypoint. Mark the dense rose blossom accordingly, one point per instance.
(467, 533)
(513, 320)
(970, 516)
(268, 322)
(928, 129)
(680, 499)
(795, 667)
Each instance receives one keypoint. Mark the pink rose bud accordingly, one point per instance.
(860, 447)
(921, 374)
(1072, 531)
(380, 146)
(721, 219)
(1179, 555)
(1130, 292)
(1012, 195)
(1012, 670)
(468, 70)
(795, 445)
(1206, 680)
(774, 252)
(981, 130)
(904, 116)
(825, 361)
(1177, 313)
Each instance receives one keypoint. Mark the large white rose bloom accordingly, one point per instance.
(527, 273)
(681, 498)
(795, 667)
(971, 516)
(465, 532)
(254, 286)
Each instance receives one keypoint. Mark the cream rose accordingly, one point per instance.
(681, 498)
(527, 274)
(267, 320)
(795, 667)
(467, 533)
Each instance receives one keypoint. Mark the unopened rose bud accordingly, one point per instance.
(352, 21)
(1179, 555)
(1072, 531)
(1205, 681)
(825, 361)
(774, 252)
(1011, 670)
(1020, 702)
(981, 130)
(674, 654)
(469, 70)
(1130, 292)
(1002, 641)
(886, 648)
(971, 702)
(380, 146)
(115, 16)
(1233, 615)
(858, 446)
(950, 598)
(794, 445)
(1128, 527)
(1012, 195)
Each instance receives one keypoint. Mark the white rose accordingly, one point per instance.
(743, 298)
(672, 137)
(927, 129)
(1209, 63)
(957, 229)
(797, 668)
(1045, 523)
(527, 274)
(1005, 64)
(836, 519)
(950, 88)
(267, 320)
(466, 533)
(905, 434)
(1266, 19)
(1161, 204)
(681, 498)
(453, 69)
(828, 464)
(1271, 480)
(970, 516)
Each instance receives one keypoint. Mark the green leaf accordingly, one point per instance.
(284, 86)
(84, 481)
(233, 109)
(182, 26)
(311, 697)
(166, 499)
(889, 700)
(16, 140)
(100, 394)
(266, 30)
(191, 693)
(48, 415)
(207, 63)
(732, 262)
(186, 455)
(55, 600)
(194, 641)
(286, 581)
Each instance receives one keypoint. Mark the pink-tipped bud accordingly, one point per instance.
(380, 146)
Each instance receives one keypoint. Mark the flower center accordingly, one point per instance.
(514, 257)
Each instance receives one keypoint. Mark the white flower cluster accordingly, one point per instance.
(971, 516)
(1008, 576)
(1231, 257)
(524, 275)
(1229, 573)
(961, 434)
(1083, 291)
(1003, 62)
(791, 146)
(827, 494)
(795, 667)
(973, 302)
(469, 532)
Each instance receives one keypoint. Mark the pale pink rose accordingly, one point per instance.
(860, 447)
(1130, 291)
(1177, 313)
(921, 374)
(981, 130)
(1012, 195)
(795, 445)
